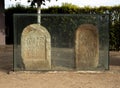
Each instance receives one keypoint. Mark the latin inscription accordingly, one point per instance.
(88, 44)
(34, 47)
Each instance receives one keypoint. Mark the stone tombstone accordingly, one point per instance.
(36, 48)
(86, 47)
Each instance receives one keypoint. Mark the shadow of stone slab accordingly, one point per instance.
(115, 58)
(6, 58)
(115, 62)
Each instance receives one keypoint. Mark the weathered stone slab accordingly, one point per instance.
(36, 48)
(87, 47)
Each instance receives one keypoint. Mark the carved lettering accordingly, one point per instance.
(35, 47)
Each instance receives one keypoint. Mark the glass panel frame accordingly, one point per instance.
(62, 29)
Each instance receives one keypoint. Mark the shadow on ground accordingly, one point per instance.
(6, 58)
(115, 58)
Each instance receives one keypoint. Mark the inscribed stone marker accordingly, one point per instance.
(87, 47)
(36, 48)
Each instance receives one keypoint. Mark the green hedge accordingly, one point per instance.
(114, 13)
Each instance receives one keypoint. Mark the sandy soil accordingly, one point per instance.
(61, 79)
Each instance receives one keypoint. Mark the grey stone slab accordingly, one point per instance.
(36, 48)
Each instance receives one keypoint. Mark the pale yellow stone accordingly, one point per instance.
(36, 48)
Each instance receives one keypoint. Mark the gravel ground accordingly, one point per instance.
(60, 79)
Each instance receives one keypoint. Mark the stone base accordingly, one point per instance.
(37, 65)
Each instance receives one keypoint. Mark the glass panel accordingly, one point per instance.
(62, 29)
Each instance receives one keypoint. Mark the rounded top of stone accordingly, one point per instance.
(87, 27)
(35, 28)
